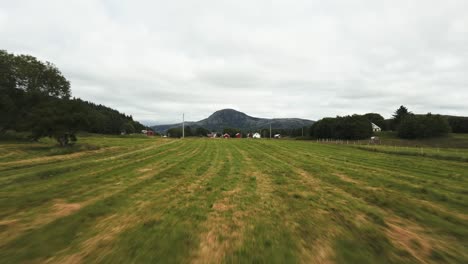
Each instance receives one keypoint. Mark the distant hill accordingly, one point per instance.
(230, 118)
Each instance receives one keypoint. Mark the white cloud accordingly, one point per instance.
(309, 59)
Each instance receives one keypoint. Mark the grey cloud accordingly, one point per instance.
(309, 59)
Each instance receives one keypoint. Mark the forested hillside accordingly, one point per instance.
(233, 119)
(35, 97)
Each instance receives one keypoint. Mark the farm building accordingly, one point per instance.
(211, 135)
(238, 135)
(376, 128)
(226, 135)
(149, 133)
(374, 140)
(277, 136)
(256, 135)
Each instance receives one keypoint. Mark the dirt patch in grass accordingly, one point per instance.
(222, 205)
(69, 259)
(217, 241)
(144, 170)
(223, 234)
(348, 179)
(62, 208)
(322, 253)
(361, 220)
(409, 237)
(109, 228)
(442, 209)
(8, 222)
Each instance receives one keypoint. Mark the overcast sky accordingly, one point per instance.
(309, 59)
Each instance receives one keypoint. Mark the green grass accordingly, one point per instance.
(131, 199)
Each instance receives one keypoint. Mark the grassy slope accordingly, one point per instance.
(201, 200)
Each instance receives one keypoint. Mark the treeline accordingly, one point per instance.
(406, 124)
(458, 124)
(423, 126)
(35, 97)
(411, 126)
(265, 132)
(176, 132)
(342, 127)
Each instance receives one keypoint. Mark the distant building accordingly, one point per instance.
(376, 128)
(256, 135)
(226, 135)
(374, 140)
(238, 135)
(277, 136)
(149, 133)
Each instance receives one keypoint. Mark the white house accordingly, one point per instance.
(211, 135)
(256, 135)
(376, 128)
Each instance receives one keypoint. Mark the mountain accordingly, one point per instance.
(230, 118)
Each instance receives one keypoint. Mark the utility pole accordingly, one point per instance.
(183, 125)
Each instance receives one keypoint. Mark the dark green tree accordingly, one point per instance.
(376, 119)
(35, 97)
(347, 127)
(175, 132)
(59, 119)
(458, 124)
(128, 128)
(423, 126)
(398, 116)
(201, 132)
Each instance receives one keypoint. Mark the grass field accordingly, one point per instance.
(144, 200)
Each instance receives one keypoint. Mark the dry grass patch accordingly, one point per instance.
(223, 234)
(109, 228)
(61, 208)
(410, 237)
(322, 253)
(57, 157)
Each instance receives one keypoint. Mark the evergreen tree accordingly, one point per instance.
(398, 116)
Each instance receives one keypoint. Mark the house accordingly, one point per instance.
(249, 135)
(211, 135)
(238, 135)
(256, 135)
(277, 136)
(375, 128)
(149, 133)
(226, 135)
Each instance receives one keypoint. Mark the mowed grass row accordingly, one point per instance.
(235, 201)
